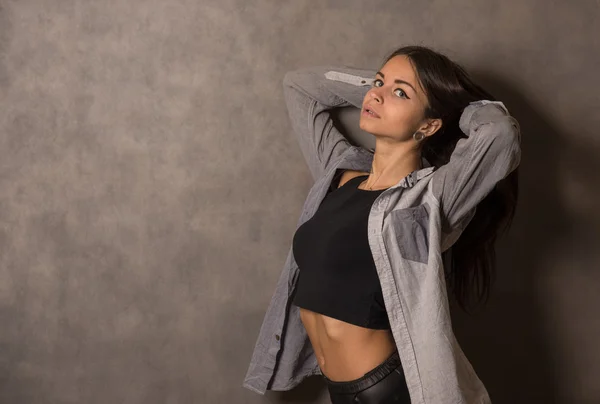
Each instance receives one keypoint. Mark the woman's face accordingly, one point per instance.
(397, 98)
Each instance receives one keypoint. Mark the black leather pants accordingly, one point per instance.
(383, 385)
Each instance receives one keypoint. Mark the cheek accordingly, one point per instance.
(401, 118)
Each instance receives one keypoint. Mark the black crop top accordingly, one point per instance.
(337, 275)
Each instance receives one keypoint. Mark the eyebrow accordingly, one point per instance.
(398, 81)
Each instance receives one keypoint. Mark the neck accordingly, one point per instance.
(391, 163)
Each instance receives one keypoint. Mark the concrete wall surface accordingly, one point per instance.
(150, 185)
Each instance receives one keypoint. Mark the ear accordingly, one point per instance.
(432, 126)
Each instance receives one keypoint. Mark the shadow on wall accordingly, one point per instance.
(509, 341)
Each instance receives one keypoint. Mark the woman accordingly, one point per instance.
(362, 299)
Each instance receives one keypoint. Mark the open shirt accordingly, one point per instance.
(409, 226)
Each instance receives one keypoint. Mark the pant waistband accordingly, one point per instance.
(366, 381)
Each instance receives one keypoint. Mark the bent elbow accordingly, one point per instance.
(507, 144)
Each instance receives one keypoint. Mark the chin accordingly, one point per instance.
(361, 124)
(364, 126)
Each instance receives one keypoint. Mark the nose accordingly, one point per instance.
(375, 96)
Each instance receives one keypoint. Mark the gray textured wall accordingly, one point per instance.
(150, 185)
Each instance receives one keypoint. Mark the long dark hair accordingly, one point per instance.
(470, 262)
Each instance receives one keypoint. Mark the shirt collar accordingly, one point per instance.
(363, 160)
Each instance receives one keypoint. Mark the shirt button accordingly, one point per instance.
(277, 337)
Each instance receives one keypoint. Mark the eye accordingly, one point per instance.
(402, 91)
(397, 89)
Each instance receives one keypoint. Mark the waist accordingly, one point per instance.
(346, 351)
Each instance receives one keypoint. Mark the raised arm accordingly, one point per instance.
(309, 93)
(490, 152)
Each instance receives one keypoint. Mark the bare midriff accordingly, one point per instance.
(346, 351)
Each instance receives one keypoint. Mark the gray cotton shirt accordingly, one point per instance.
(409, 226)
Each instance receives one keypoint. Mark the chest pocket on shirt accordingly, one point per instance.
(411, 227)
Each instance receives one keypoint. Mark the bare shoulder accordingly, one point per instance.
(348, 175)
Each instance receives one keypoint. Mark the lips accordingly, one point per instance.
(370, 108)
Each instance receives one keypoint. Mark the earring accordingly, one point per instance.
(418, 136)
